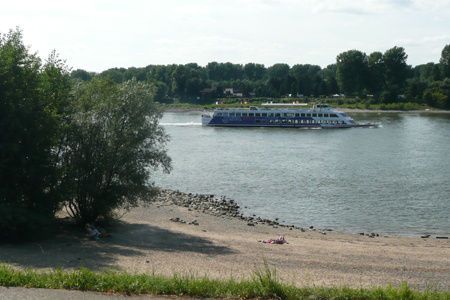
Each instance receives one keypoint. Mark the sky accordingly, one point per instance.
(96, 35)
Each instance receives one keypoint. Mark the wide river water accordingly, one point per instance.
(392, 180)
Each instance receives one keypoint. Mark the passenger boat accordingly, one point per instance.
(318, 116)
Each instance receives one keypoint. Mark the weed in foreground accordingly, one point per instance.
(263, 284)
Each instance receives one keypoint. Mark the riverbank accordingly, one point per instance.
(185, 233)
(346, 110)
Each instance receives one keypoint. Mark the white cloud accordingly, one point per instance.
(99, 34)
(434, 39)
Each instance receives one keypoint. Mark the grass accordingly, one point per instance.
(263, 284)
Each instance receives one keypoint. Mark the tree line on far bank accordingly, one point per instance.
(384, 76)
(85, 149)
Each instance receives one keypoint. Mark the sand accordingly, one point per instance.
(146, 241)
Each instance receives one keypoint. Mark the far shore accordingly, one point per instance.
(175, 235)
(346, 110)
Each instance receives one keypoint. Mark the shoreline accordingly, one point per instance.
(173, 235)
(222, 206)
(346, 110)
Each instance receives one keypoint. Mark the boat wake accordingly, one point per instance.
(181, 124)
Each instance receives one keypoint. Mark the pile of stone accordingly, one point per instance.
(217, 206)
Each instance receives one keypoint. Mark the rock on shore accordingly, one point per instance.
(217, 206)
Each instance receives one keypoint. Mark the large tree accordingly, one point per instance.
(352, 73)
(396, 69)
(32, 97)
(179, 78)
(278, 71)
(111, 144)
(445, 61)
(376, 72)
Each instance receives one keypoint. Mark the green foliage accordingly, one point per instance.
(278, 71)
(352, 73)
(112, 141)
(437, 94)
(395, 67)
(32, 98)
(81, 74)
(445, 61)
(263, 284)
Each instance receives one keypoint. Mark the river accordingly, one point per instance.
(392, 180)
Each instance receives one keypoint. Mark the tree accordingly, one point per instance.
(32, 96)
(254, 71)
(112, 141)
(82, 74)
(194, 86)
(116, 74)
(376, 70)
(352, 72)
(278, 71)
(396, 69)
(445, 61)
(180, 76)
(438, 93)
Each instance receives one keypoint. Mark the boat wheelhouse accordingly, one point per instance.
(318, 116)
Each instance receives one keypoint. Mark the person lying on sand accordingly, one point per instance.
(94, 232)
(280, 240)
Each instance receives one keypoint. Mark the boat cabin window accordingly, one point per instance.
(344, 115)
(253, 108)
(315, 115)
(333, 116)
(245, 114)
(289, 115)
(277, 121)
(238, 114)
(218, 114)
(308, 115)
(251, 114)
(270, 114)
(277, 114)
(297, 114)
(303, 115)
(320, 115)
(296, 121)
(257, 121)
(325, 115)
(264, 114)
(225, 114)
(258, 114)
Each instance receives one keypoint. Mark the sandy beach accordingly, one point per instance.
(146, 240)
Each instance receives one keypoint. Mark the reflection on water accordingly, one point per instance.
(389, 180)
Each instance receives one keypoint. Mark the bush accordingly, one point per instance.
(112, 140)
